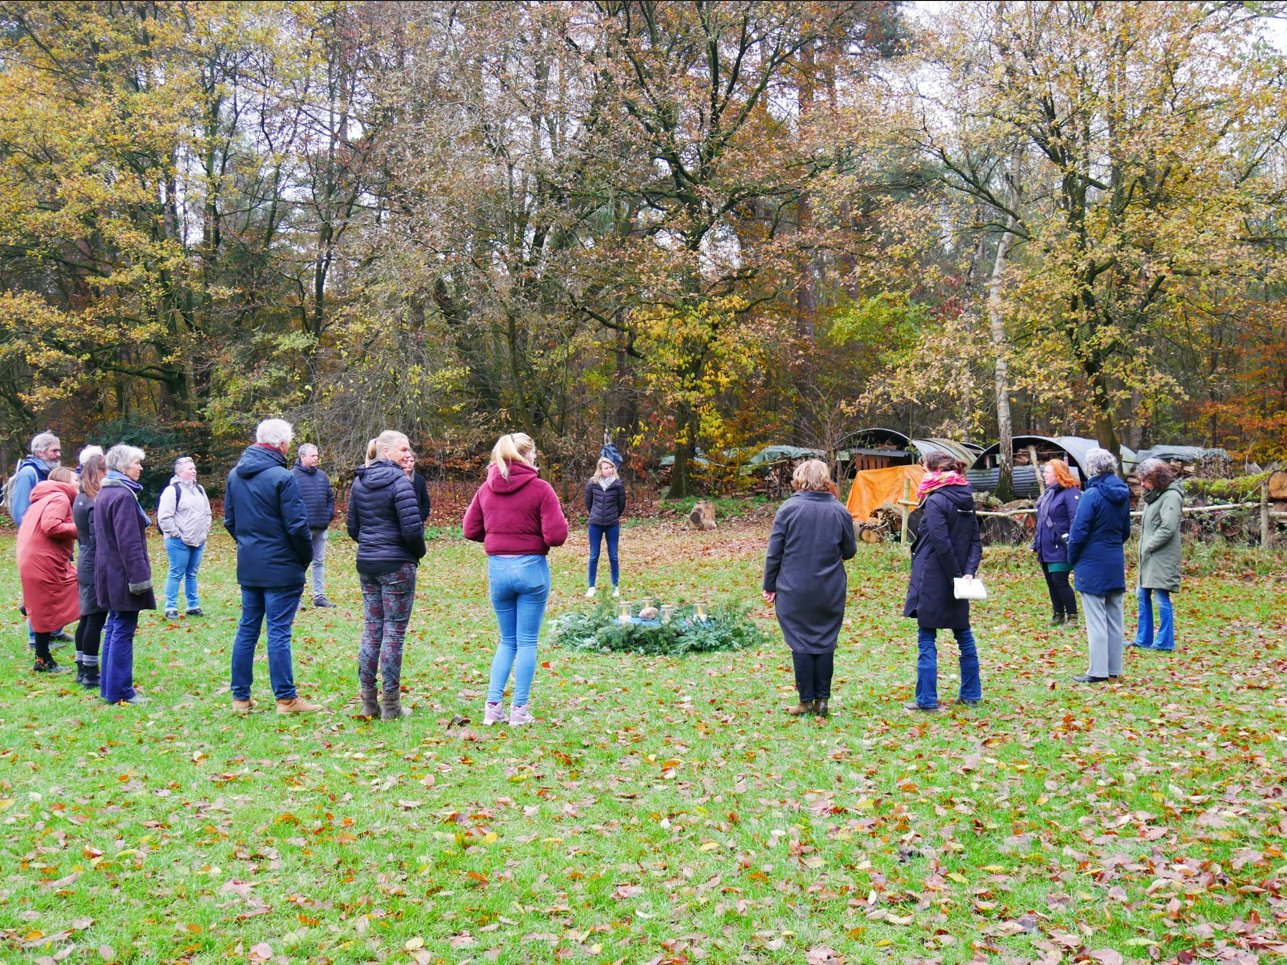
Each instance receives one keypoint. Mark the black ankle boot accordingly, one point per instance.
(88, 678)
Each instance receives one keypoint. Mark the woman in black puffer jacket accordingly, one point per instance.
(384, 519)
(605, 500)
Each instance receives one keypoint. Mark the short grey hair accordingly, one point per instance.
(274, 432)
(42, 441)
(89, 451)
(306, 447)
(1099, 462)
(183, 461)
(121, 457)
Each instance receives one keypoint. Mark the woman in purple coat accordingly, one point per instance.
(1056, 510)
(122, 571)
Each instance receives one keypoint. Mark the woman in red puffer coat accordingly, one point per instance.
(46, 540)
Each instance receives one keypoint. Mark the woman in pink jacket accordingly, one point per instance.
(45, 543)
(517, 517)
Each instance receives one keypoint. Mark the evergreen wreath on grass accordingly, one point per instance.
(599, 631)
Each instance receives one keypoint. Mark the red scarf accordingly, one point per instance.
(937, 480)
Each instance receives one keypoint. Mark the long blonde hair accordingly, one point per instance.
(598, 469)
(514, 446)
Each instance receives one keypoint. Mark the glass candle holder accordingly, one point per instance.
(702, 611)
(624, 615)
(647, 602)
(667, 611)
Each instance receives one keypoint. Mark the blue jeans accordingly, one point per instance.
(927, 667)
(278, 604)
(613, 534)
(519, 587)
(1165, 639)
(185, 560)
(116, 672)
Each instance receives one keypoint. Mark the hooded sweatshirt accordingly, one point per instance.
(516, 516)
(264, 512)
(1099, 531)
(183, 512)
(385, 519)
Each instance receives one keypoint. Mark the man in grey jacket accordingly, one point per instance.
(183, 515)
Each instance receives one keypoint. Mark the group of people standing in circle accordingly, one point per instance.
(1076, 532)
(280, 519)
(82, 553)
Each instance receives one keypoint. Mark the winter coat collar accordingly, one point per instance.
(380, 474)
(257, 458)
(1110, 487)
(520, 474)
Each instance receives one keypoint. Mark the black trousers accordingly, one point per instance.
(42, 646)
(89, 634)
(813, 675)
(1062, 597)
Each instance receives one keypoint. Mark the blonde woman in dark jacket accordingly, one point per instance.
(605, 500)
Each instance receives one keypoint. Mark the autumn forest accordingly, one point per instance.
(697, 226)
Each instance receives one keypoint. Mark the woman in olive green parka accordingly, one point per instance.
(1160, 554)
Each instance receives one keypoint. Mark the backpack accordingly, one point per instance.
(178, 495)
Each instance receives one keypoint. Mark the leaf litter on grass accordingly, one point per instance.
(662, 809)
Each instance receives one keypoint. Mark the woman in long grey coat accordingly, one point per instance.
(1160, 555)
(805, 580)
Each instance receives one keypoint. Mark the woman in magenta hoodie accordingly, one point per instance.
(517, 517)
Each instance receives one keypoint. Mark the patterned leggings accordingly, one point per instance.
(386, 606)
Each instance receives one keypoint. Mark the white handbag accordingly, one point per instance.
(964, 589)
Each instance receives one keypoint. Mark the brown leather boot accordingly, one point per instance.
(801, 709)
(296, 705)
(370, 706)
(391, 706)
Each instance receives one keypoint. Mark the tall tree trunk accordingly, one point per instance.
(1001, 344)
(681, 483)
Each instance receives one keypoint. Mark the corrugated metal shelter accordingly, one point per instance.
(877, 448)
(1189, 454)
(1071, 449)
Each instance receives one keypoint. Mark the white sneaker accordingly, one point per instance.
(616, 593)
(493, 713)
(589, 594)
(519, 716)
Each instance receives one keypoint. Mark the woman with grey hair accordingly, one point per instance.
(183, 515)
(1095, 549)
(1160, 555)
(805, 580)
(122, 570)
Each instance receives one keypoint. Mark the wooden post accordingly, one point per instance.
(1041, 482)
(1266, 531)
(907, 498)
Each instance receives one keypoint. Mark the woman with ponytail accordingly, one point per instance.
(390, 534)
(947, 547)
(517, 517)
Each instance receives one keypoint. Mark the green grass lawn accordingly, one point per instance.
(661, 810)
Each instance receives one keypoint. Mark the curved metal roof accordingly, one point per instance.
(1075, 446)
(875, 436)
(953, 448)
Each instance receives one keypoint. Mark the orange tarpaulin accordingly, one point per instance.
(875, 486)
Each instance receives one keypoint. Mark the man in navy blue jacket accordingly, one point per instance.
(263, 510)
(319, 500)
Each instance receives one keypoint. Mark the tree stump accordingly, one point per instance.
(1278, 484)
(871, 532)
(703, 516)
